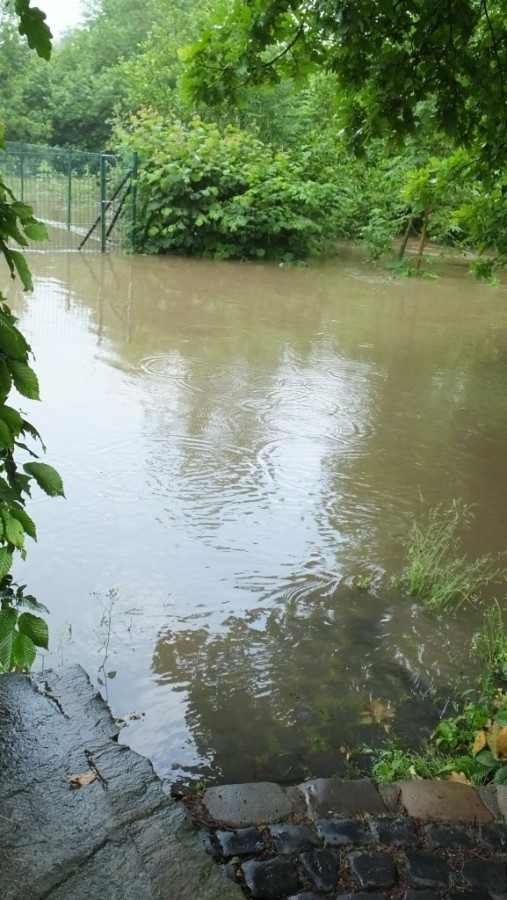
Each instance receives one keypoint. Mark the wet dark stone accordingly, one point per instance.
(294, 838)
(322, 868)
(271, 878)
(207, 843)
(361, 895)
(242, 842)
(476, 894)
(230, 870)
(425, 894)
(394, 832)
(306, 895)
(485, 874)
(119, 837)
(372, 869)
(427, 870)
(494, 836)
(450, 836)
(339, 832)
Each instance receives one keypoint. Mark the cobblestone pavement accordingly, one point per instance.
(374, 852)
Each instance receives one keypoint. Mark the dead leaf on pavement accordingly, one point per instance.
(81, 780)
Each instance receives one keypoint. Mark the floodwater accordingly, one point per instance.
(239, 444)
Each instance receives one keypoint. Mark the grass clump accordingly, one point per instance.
(436, 570)
(395, 764)
(490, 644)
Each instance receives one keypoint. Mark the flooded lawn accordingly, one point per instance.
(239, 444)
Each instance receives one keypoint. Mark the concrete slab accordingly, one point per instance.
(247, 804)
(331, 796)
(119, 837)
(443, 801)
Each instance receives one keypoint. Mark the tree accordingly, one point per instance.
(25, 87)
(388, 57)
(20, 632)
(86, 78)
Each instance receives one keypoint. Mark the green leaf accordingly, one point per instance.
(12, 418)
(36, 231)
(29, 429)
(24, 519)
(35, 628)
(46, 477)
(23, 652)
(22, 269)
(8, 619)
(13, 530)
(7, 493)
(30, 601)
(500, 775)
(12, 342)
(5, 378)
(6, 436)
(24, 378)
(5, 562)
(32, 24)
(486, 758)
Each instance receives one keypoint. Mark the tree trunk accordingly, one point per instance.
(422, 239)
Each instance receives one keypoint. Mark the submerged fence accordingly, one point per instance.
(87, 200)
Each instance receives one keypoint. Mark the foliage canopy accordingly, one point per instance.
(387, 56)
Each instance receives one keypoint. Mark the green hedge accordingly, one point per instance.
(223, 194)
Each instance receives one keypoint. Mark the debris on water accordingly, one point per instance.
(123, 721)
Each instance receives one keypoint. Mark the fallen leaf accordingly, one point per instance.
(81, 780)
(459, 777)
(380, 710)
(479, 742)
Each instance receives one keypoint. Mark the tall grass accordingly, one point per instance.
(436, 570)
(490, 642)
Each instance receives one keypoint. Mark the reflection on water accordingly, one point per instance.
(238, 442)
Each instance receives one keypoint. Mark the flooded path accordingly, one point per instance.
(238, 444)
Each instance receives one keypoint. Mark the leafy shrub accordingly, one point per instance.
(223, 194)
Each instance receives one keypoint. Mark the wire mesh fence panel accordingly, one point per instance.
(77, 194)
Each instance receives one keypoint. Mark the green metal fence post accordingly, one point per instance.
(135, 162)
(22, 170)
(103, 202)
(69, 190)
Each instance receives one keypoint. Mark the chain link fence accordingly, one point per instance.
(87, 200)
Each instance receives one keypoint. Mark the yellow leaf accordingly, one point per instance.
(480, 742)
(459, 777)
(81, 780)
(492, 739)
(501, 742)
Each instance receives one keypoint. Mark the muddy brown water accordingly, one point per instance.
(239, 443)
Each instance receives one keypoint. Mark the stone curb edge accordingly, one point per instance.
(240, 805)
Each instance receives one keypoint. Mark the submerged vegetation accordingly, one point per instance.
(471, 744)
(436, 570)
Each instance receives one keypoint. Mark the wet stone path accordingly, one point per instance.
(366, 846)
